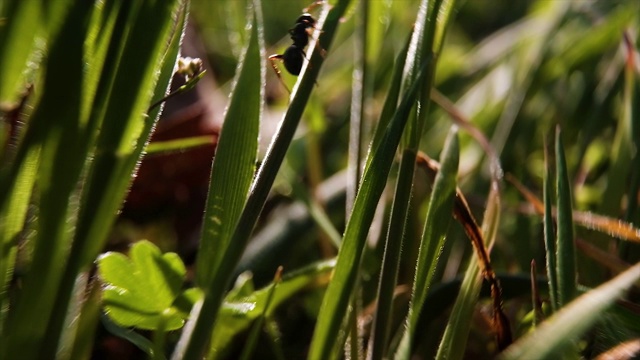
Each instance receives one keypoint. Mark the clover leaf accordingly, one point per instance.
(140, 290)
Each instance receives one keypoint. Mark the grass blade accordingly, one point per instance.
(236, 155)
(120, 143)
(191, 347)
(565, 247)
(336, 299)
(550, 230)
(17, 41)
(58, 128)
(453, 343)
(559, 331)
(435, 230)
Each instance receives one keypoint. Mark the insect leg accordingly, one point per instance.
(272, 60)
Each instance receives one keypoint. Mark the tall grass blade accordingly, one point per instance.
(550, 229)
(17, 43)
(146, 61)
(359, 90)
(235, 160)
(58, 128)
(336, 299)
(565, 247)
(192, 343)
(631, 114)
(435, 230)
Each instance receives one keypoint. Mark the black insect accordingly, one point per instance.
(294, 56)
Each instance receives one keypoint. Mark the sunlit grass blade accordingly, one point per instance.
(565, 247)
(21, 24)
(235, 160)
(147, 62)
(192, 347)
(170, 146)
(559, 332)
(436, 226)
(391, 100)
(58, 128)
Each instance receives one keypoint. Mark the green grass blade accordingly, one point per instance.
(391, 260)
(424, 37)
(559, 332)
(336, 299)
(235, 160)
(57, 123)
(631, 114)
(550, 229)
(359, 94)
(135, 58)
(233, 322)
(179, 145)
(565, 247)
(389, 272)
(433, 236)
(130, 335)
(454, 340)
(191, 347)
(391, 100)
(17, 42)
(151, 59)
(256, 329)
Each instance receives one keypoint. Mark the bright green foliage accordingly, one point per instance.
(139, 291)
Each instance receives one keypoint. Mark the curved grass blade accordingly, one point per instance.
(419, 65)
(559, 332)
(235, 160)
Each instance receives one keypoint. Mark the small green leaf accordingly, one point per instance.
(139, 291)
